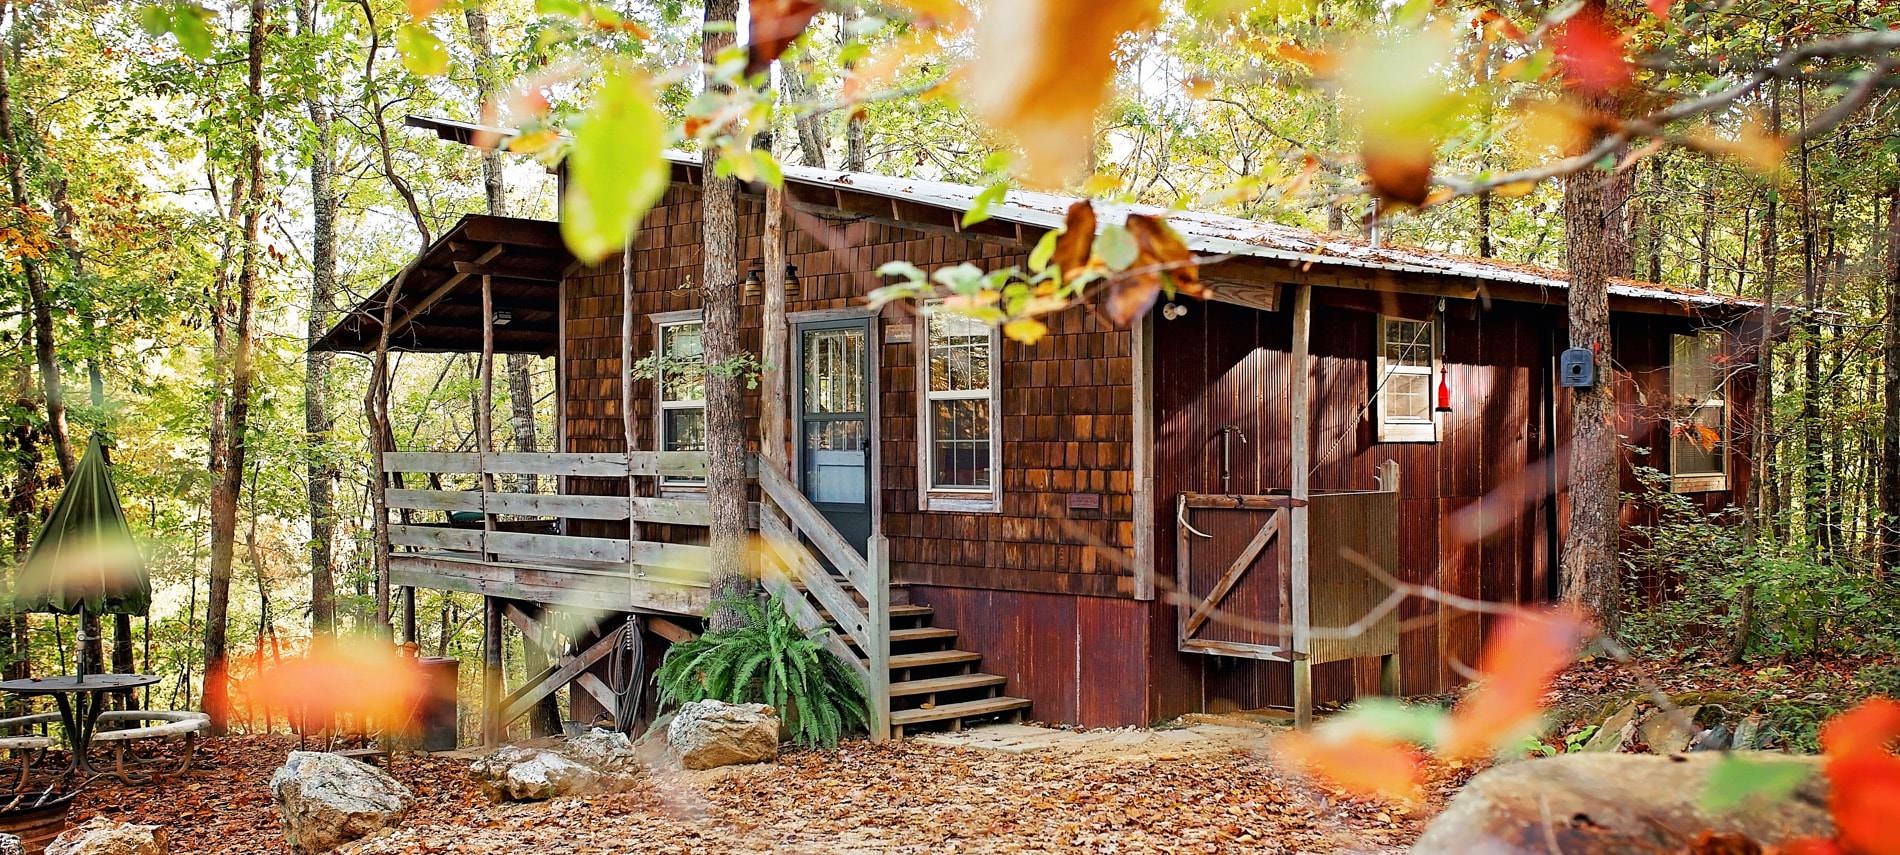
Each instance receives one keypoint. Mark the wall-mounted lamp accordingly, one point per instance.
(503, 317)
(1173, 310)
(755, 281)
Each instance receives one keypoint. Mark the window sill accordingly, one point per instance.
(1410, 433)
(968, 503)
(1698, 483)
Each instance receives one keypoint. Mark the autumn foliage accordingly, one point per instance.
(362, 682)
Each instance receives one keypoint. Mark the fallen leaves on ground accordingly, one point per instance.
(900, 797)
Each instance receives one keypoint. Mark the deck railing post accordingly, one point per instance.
(877, 602)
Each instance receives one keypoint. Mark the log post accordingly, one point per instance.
(1300, 401)
(493, 726)
(774, 401)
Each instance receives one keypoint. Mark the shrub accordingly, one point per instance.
(771, 661)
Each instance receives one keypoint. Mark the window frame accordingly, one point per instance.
(931, 497)
(1388, 430)
(1700, 482)
(662, 323)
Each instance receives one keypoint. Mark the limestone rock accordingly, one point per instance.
(1638, 726)
(709, 734)
(606, 751)
(101, 836)
(651, 749)
(1597, 804)
(523, 774)
(326, 800)
(10, 844)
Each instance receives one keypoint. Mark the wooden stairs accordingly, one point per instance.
(933, 684)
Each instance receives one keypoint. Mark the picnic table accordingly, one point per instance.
(80, 699)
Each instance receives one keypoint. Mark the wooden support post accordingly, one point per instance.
(493, 725)
(627, 426)
(878, 617)
(1300, 402)
(1389, 663)
(774, 397)
(1141, 353)
(409, 615)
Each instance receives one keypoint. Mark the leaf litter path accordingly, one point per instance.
(900, 797)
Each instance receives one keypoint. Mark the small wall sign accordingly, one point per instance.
(898, 332)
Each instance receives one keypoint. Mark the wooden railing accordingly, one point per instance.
(810, 590)
(514, 541)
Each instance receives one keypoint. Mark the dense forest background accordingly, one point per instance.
(186, 210)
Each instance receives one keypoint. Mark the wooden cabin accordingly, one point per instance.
(1110, 527)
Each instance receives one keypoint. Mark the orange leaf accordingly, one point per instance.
(422, 9)
(345, 678)
(1864, 731)
(1863, 795)
(1076, 241)
(1309, 167)
(1518, 664)
(1399, 170)
(1158, 245)
(1316, 62)
(1043, 69)
(1660, 8)
(772, 26)
(1590, 51)
(1358, 761)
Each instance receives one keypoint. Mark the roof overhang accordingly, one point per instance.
(438, 297)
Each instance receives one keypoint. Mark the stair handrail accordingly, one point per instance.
(785, 515)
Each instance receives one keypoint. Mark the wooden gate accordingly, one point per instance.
(1234, 568)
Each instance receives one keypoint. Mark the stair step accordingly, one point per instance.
(933, 657)
(959, 682)
(910, 611)
(965, 709)
(922, 633)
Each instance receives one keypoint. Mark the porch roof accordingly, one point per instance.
(438, 296)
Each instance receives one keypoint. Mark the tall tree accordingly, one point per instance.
(227, 462)
(725, 389)
(45, 342)
(1590, 204)
(320, 472)
(1890, 439)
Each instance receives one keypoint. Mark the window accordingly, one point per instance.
(1406, 380)
(1698, 417)
(680, 375)
(958, 356)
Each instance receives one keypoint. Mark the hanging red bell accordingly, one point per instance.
(1444, 393)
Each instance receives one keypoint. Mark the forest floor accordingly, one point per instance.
(921, 797)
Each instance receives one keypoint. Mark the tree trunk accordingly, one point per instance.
(45, 344)
(1652, 202)
(229, 466)
(810, 127)
(725, 390)
(1814, 498)
(1890, 439)
(1595, 246)
(1705, 239)
(321, 473)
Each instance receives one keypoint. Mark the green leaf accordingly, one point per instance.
(189, 23)
(615, 167)
(1736, 780)
(768, 167)
(1045, 249)
(1115, 247)
(980, 206)
(422, 52)
(1393, 719)
(901, 268)
(566, 8)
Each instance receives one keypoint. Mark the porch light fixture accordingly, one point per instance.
(503, 317)
(755, 281)
(1444, 370)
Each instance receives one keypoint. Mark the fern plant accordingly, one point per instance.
(769, 660)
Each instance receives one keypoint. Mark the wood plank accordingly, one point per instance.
(808, 619)
(555, 463)
(819, 584)
(431, 461)
(1235, 571)
(669, 630)
(673, 464)
(955, 683)
(1300, 402)
(902, 661)
(809, 522)
(966, 709)
(433, 500)
(1141, 356)
(696, 560)
(1252, 503)
(527, 696)
(556, 505)
(556, 546)
(550, 585)
(1237, 649)
(435, 537)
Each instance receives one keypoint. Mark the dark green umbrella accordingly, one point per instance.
(85, 559)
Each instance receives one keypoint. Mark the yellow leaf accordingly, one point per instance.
(1025, 330)
(1514, 189)
(1101, 184)
(532, 142)
(1043, 69)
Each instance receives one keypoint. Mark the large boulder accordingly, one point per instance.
(709, 734)
(101, 836)
(1598, 803)
(326, 800)
(606, 751)
(11, 844)
(519, 773)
